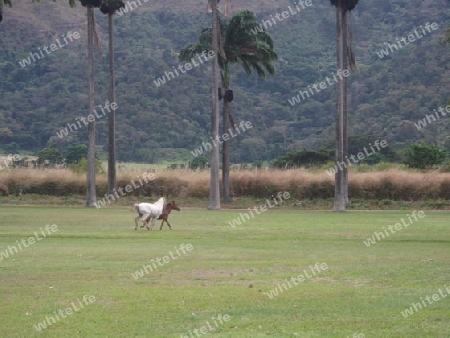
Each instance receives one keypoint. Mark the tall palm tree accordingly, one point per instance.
(214, 185)
(109, 7)
(240, 44)
(344, 56)
(90, 176)
(2, 3)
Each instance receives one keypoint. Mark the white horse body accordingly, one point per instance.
(147, 211)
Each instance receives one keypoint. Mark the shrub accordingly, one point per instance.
(199, 162)
(304, 158)
(76, 153)
(50, 156)
(424, 155)
(385, 186)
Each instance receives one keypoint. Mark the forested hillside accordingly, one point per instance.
(387, 96)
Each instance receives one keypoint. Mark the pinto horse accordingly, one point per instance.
(166, 211)
(148, 211)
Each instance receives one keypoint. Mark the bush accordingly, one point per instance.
(76, 153)
(385, 186)
(49, 156)
(304, 158)
(199, 162)
(424, 156)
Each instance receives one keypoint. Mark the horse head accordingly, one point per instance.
(173, 206)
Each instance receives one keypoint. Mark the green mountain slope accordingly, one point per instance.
(387, 96)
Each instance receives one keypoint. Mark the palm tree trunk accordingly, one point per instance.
(339, 200)
(214, 188)
(1, 10)
(112, 114)
(226, 151)
(345, 106)
(90, 176)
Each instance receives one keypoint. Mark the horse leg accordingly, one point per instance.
(153, 219)
(145, 221)
(168, 224)
(160, 228)
(136, 222)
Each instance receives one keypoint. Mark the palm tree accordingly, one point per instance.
(4, 2)
(344, 59)
(241, 43)
(214, 185)
(110, 7)
(90, 176)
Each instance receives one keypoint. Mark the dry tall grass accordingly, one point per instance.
(393, 184)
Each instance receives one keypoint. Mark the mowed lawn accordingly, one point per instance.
(221, 287)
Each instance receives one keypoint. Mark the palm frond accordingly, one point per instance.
(111, 6)
(188, 53)
(348, 4)
(240, 43)
(7, 3)
(91, 3)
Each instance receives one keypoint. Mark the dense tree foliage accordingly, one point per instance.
(304, 158)
(424, 155)
(49, 156)
(75, 153)
(199, 162)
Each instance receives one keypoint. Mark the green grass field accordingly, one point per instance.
(229, 272)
